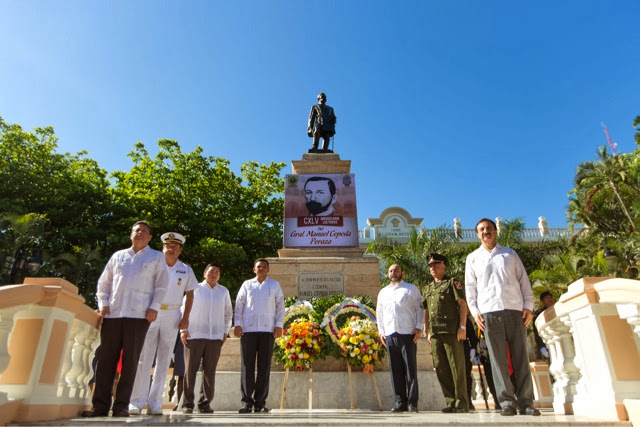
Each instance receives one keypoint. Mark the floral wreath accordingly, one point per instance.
(336, 316)
(301, 345)
(300, 309)
(360, 343)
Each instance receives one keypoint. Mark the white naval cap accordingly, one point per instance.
(173, 238)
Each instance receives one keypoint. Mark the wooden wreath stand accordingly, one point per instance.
(375, 387)
(284, 388)
(351, 396)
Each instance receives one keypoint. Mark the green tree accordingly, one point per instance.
(20, 235)
(606, 199)
(412, 255)
(81, 266)
(604, 194)
(226, 218)
(70, 189)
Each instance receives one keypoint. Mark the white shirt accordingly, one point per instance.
(398, 309)
(259, 307)
(181, 280)
(211, 312)
(132, 283)
(496, 280)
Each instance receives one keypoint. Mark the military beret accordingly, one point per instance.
(173, 238)
(433, 258)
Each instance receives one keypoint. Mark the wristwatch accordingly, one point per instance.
(464, 328)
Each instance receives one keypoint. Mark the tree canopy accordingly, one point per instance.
(84, 214)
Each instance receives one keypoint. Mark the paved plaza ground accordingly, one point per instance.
(324, 417)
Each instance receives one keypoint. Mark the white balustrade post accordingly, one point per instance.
(630, 313)
(557, 336)
(77, 361)
(63, 389)
(91, 343)
(499, 224)
(457, 227)
(6, 326)
(543, 226)
(7, 316)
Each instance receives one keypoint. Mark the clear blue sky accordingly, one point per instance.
(448, 109)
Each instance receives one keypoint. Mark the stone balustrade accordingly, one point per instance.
(48, 337)
(593, 337)
(468, 235)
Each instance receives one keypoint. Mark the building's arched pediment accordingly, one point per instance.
(395, 223)
(399, 214)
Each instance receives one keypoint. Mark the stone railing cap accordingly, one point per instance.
(51, 281)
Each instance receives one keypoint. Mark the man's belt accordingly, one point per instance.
(169, 306)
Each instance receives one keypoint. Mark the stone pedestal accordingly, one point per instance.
(309, 272)
(353, 276)
(320, 163)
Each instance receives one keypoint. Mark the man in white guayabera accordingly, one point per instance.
(161, 337)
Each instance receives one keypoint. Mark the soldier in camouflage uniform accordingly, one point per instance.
(445, 321)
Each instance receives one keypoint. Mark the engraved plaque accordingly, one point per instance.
(319, 285)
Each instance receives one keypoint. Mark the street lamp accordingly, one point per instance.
(35, 262)
(18, 262)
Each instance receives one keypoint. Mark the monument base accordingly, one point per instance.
(321, 252)
(305, 275)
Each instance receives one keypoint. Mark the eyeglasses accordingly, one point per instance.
(487, 228)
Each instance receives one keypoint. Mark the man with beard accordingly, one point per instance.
(322, 124)
(501, 301)
(400, 326)
(130, 291)
(161, 337)
(320, 194)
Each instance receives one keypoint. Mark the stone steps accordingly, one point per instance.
(319, 417)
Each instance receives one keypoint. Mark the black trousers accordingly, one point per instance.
(403, 368)
(502, 327)
(118, 334)
(255, 387)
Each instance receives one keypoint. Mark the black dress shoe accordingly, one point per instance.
(175, 408)
(246, 409)
(122, 413)
(187, 410)
(508, 411)
(205, 410)
(94, 413)
(400, 408)
(413, 408)
(529, 410)
(261, 409)
(449, 410)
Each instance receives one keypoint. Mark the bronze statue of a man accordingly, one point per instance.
(322, 123)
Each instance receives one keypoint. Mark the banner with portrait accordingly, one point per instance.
(320, 211)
